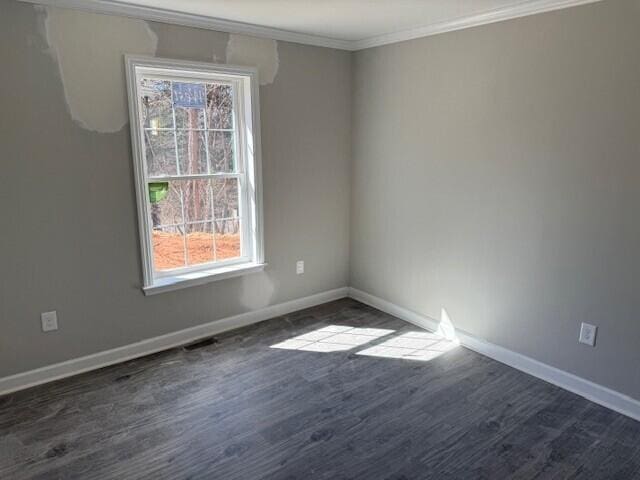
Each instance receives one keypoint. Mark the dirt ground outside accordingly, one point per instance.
(168, 248)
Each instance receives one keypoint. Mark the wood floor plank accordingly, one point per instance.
(238, 408)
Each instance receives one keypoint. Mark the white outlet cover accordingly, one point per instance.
(300, 267)
(588, 334)
(49, 321)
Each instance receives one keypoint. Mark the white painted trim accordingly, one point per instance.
(393, 309)
(591, 391)
(246, 91)
(202, 277)
(531, 7)
(125, 9)
(75, 366)
(118, 7)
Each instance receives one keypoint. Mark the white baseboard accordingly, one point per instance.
(591, 391)
(75, 366)
(596, 393)
(393, 309)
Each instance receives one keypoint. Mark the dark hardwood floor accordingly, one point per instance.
(334, 404)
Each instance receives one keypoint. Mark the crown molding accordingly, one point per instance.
(117, 7)
(530, 7)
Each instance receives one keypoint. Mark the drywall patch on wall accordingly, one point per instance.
(254, 52)
(89, 50)
(258, 290)
(175, 41)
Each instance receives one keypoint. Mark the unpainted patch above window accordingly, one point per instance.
(254, 52)
(89, 50)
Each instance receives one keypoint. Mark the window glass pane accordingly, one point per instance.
(227, 239)
(220, 106)
(190, 118)
(165, 199)
(221, 152)
(192, 152)
(197, 200)
(168, 248)
(156, 103)
(200, 243)
(189, 101)
(160, 151)
(189, 132)
(225, 197)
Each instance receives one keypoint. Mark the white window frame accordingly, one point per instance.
(247, 115)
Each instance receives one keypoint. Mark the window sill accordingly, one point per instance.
(184, 280)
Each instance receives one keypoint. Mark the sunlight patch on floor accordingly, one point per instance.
(334, 338)
(417, 345)
(422, 346)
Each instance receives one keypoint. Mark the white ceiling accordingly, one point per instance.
(348, 24)
(338, 19)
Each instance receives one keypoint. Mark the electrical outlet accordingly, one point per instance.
(588, 334)
(49, 321)
(300, 267)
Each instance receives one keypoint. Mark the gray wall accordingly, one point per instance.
(497, 175)
(69, 236)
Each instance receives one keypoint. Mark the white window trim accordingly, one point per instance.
(155, 282)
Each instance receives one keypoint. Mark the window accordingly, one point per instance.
(196, 142)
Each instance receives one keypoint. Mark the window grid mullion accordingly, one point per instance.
(184, 226)
(209, 170)
(166, 129)
(196, 222)
(213, 222)
(175, 134)
(206, 132)
(200, 176)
